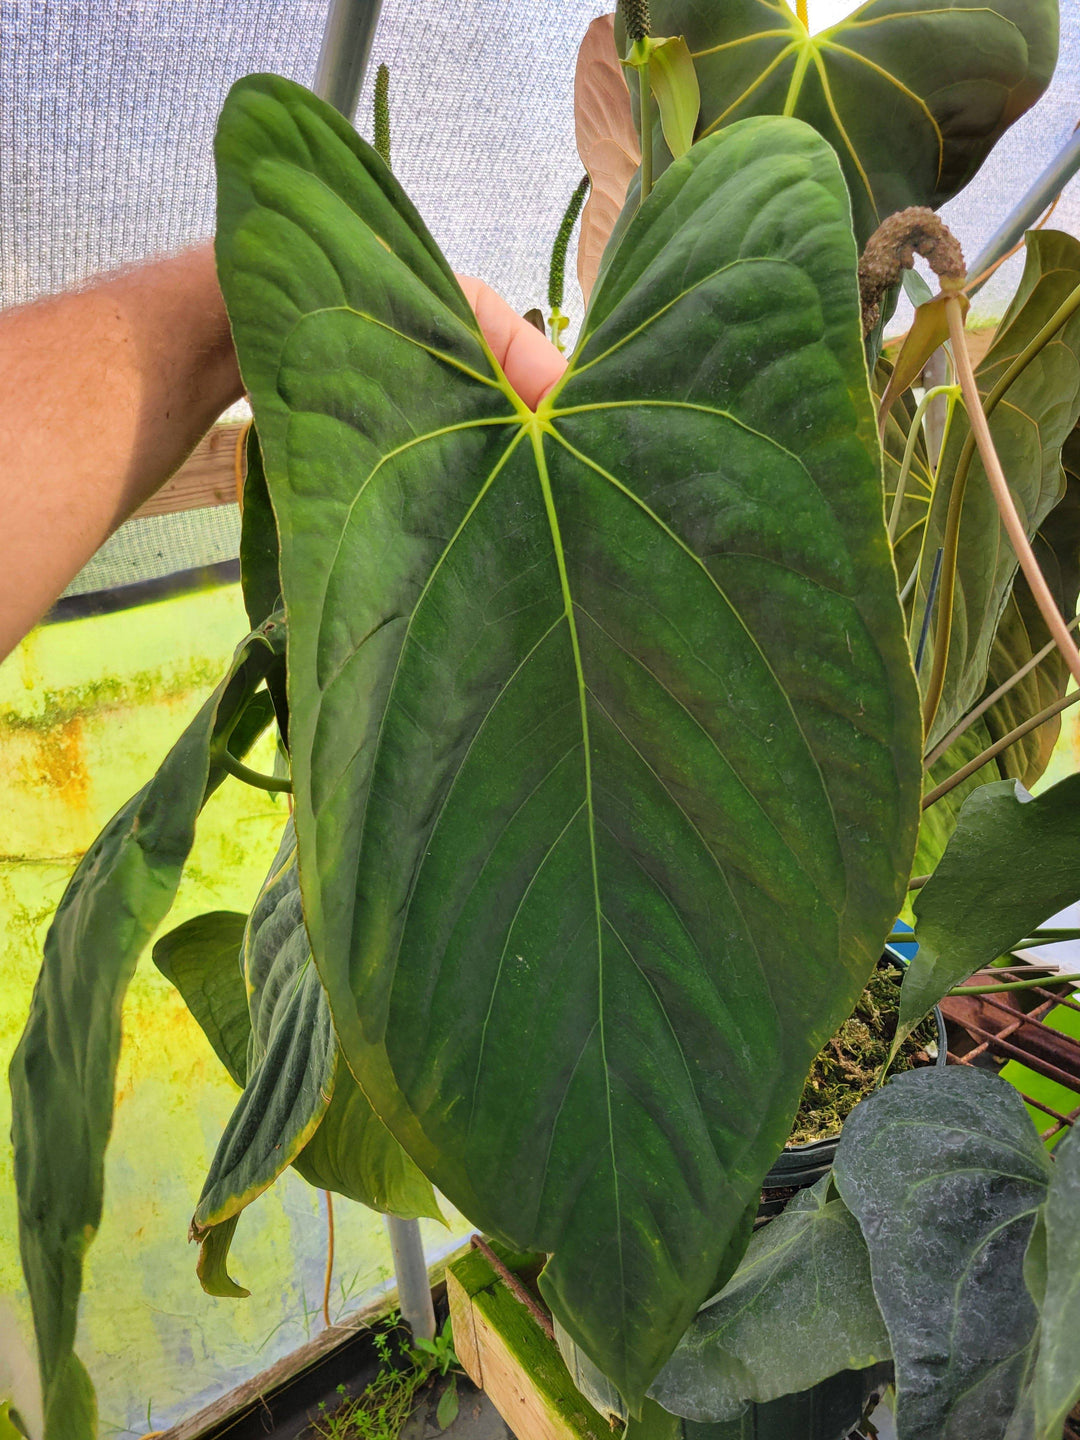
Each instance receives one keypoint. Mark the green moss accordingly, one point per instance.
(848, 1068)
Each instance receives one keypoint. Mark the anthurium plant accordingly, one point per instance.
(607, 731)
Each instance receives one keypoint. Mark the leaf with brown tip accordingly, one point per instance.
(607, 142)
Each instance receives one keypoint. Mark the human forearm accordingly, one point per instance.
(103, 393)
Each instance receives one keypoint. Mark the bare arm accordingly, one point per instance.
(105, 391)
(103, 394)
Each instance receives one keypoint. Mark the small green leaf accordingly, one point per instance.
(945, 1174)
(202, 959)
(799, 1309)
(64, 1069)
(447, 1411)
(1012, 862)
(213, 1259)
(675, 88)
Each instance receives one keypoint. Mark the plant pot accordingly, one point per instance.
(829, 1411)
(798, 1166)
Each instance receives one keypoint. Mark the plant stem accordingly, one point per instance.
(1014, 527)
(1013, 985)
(909, 454)
(273, 783)
(998, 746)
(646, 128)
(931, 596)
(992, 699)
(951, 538)
(329, 1257)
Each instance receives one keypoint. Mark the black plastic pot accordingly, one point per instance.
(830, 1411)
(801, 1165)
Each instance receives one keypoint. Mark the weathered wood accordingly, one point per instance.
(503, 1351)
(207, 476)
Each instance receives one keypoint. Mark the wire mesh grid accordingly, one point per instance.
(1025, 1037)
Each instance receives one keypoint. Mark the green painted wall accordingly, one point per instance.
(88, 710)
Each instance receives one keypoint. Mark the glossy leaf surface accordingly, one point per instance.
(1033, 420)
(571, 794)
(64, 1069)
(1011, 864)
(945, 1174)
(799, 1309)
(202, 959)
(607, 142)
(912, 94)
(298, 1088)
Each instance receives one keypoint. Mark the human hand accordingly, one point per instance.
(529, 360)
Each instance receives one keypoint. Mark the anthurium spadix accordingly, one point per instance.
(604, 736)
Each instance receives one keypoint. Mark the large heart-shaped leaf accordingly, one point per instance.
(64, 1069)
(912, 94)
(799, 1309)
(977, 904)
(945, 1174)
(604, 739)
(1035, 416)
(297, 1084)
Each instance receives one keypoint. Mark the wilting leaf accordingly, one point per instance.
(588, 846)
(1022, 633)
(1030, 425)
(1012, 862)
(64, 1069)
(945, 1174)
(799, 1308)
(202, 959)
(607, 142)
(297, 1086)
(911, 94)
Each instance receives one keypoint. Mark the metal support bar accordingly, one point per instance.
(343, 57)
(410, 1267)
(1053, 179)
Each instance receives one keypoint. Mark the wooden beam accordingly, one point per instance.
(207, 476)
(506, 1354)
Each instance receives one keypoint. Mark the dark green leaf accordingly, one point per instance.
(300, 1106)
(1053, 1276)
(64, 1069)
(1029, 426)
(202, 959)
(447, 1409)
(588, 844)
(912, 94)
(258, 540)
(945, 1174)
(799, 1308)
(1011, 864)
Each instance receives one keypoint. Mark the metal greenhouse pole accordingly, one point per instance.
(339, 75)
